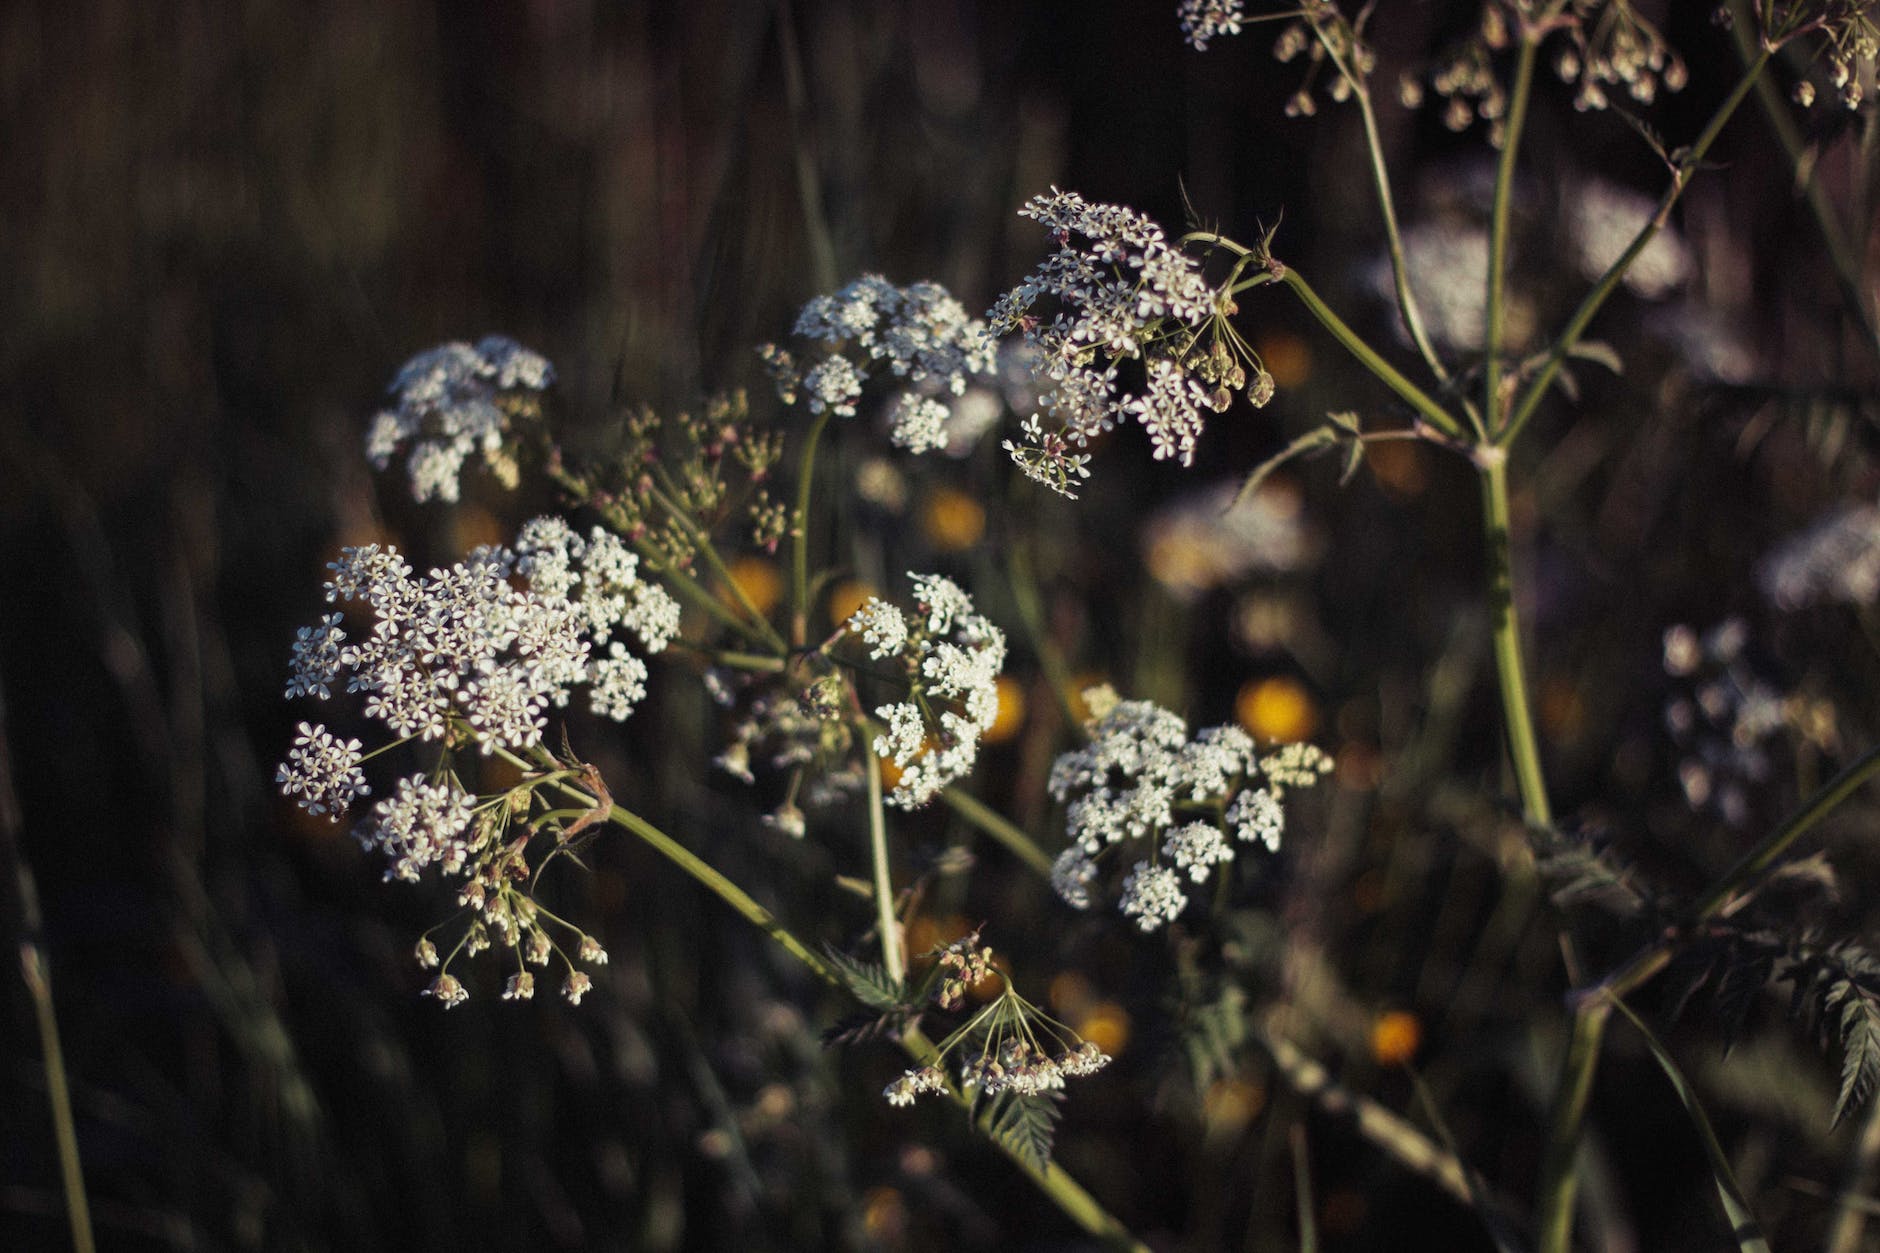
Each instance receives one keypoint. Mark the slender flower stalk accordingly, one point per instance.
(1505, 620)
(799, 534)
(1498, 225)
(1687, 163)
(1065, 1192)
(885, 919)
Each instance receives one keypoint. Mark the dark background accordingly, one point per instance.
(222, 227)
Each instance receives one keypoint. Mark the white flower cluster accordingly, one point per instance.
(447, 405)
(1837, 559)
(463, 648)
(920, 332)
(1203, 20)
(1212, 538)
(1605, 219)
(1720, 718)
(1121, 291)
(953, 656)
(1143, 777)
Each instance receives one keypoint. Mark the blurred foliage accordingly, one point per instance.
(223, 225)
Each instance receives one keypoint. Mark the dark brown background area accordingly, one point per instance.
(223, 225)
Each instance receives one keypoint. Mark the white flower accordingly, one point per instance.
(1197, 847)
(322, 772)
(1072, 876)
(881, 626)
(1257, 817)
(1836, 559)
(421, 824)
(1605, 219)
(918, 423)
(833, 384)
(1202, 20)
(1153, 895)
(445, 408)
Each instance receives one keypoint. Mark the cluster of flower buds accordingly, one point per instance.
(1143, 778)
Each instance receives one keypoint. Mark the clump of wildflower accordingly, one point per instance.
(1837, 559)
(1611, 46)
(454, 400)
(1118, 291)
(1721, 716)
(920, 333)
(1009, 1045)
(951, 656)
(1203, 20)
(1144, 779)
(1603, 220)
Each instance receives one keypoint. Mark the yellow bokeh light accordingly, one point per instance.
(1106, 1025)
(758, 580)
(1395, 1037)
(1011, 715)
(1276, 710)
(952, 520)
(846, 597)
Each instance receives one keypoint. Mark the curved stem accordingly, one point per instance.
(1609, 281)
(1498, 226)
(1523, 745)
(1367, 356)
(1560, 1178)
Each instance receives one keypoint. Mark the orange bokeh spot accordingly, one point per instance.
(758, 580)
(1080, 709)
(1231, 1104)
(1287, 357)
(1011, 715)
(846, 597)
(952, 520)
(1395, 1037)
(1106, 1025)
(1277, 710)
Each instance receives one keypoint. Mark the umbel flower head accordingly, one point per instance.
(952, 657)
(451, 401)
(1192, 800)
(920, 333)
(1117, 291)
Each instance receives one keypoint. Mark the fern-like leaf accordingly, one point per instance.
(868, 982)
(1026, 1125)
(1860, 1045)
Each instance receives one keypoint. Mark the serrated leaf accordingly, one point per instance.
(863, 1028)
(1860, 1060)
(867, 982)
(1026, 1125)
(1312, 441)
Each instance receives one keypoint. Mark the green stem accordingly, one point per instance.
(799, 534)
(1560, 1177)
(1386, 202)
(1608, 282)
(1498, 225)
(59, 1095)
(1002, 829)
(885, 920)
(1523, 746)
(1386, 373)
(1065, 1192)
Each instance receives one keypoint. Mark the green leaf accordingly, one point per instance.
(1743, 1226)
(867, 982)
(1860, 1043)
(1027, 1125)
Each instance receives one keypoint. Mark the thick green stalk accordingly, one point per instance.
(885, 920)
(799, 534)
(1608, 282)
(1386, 373)
(1523, 745)
(1498, 225)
